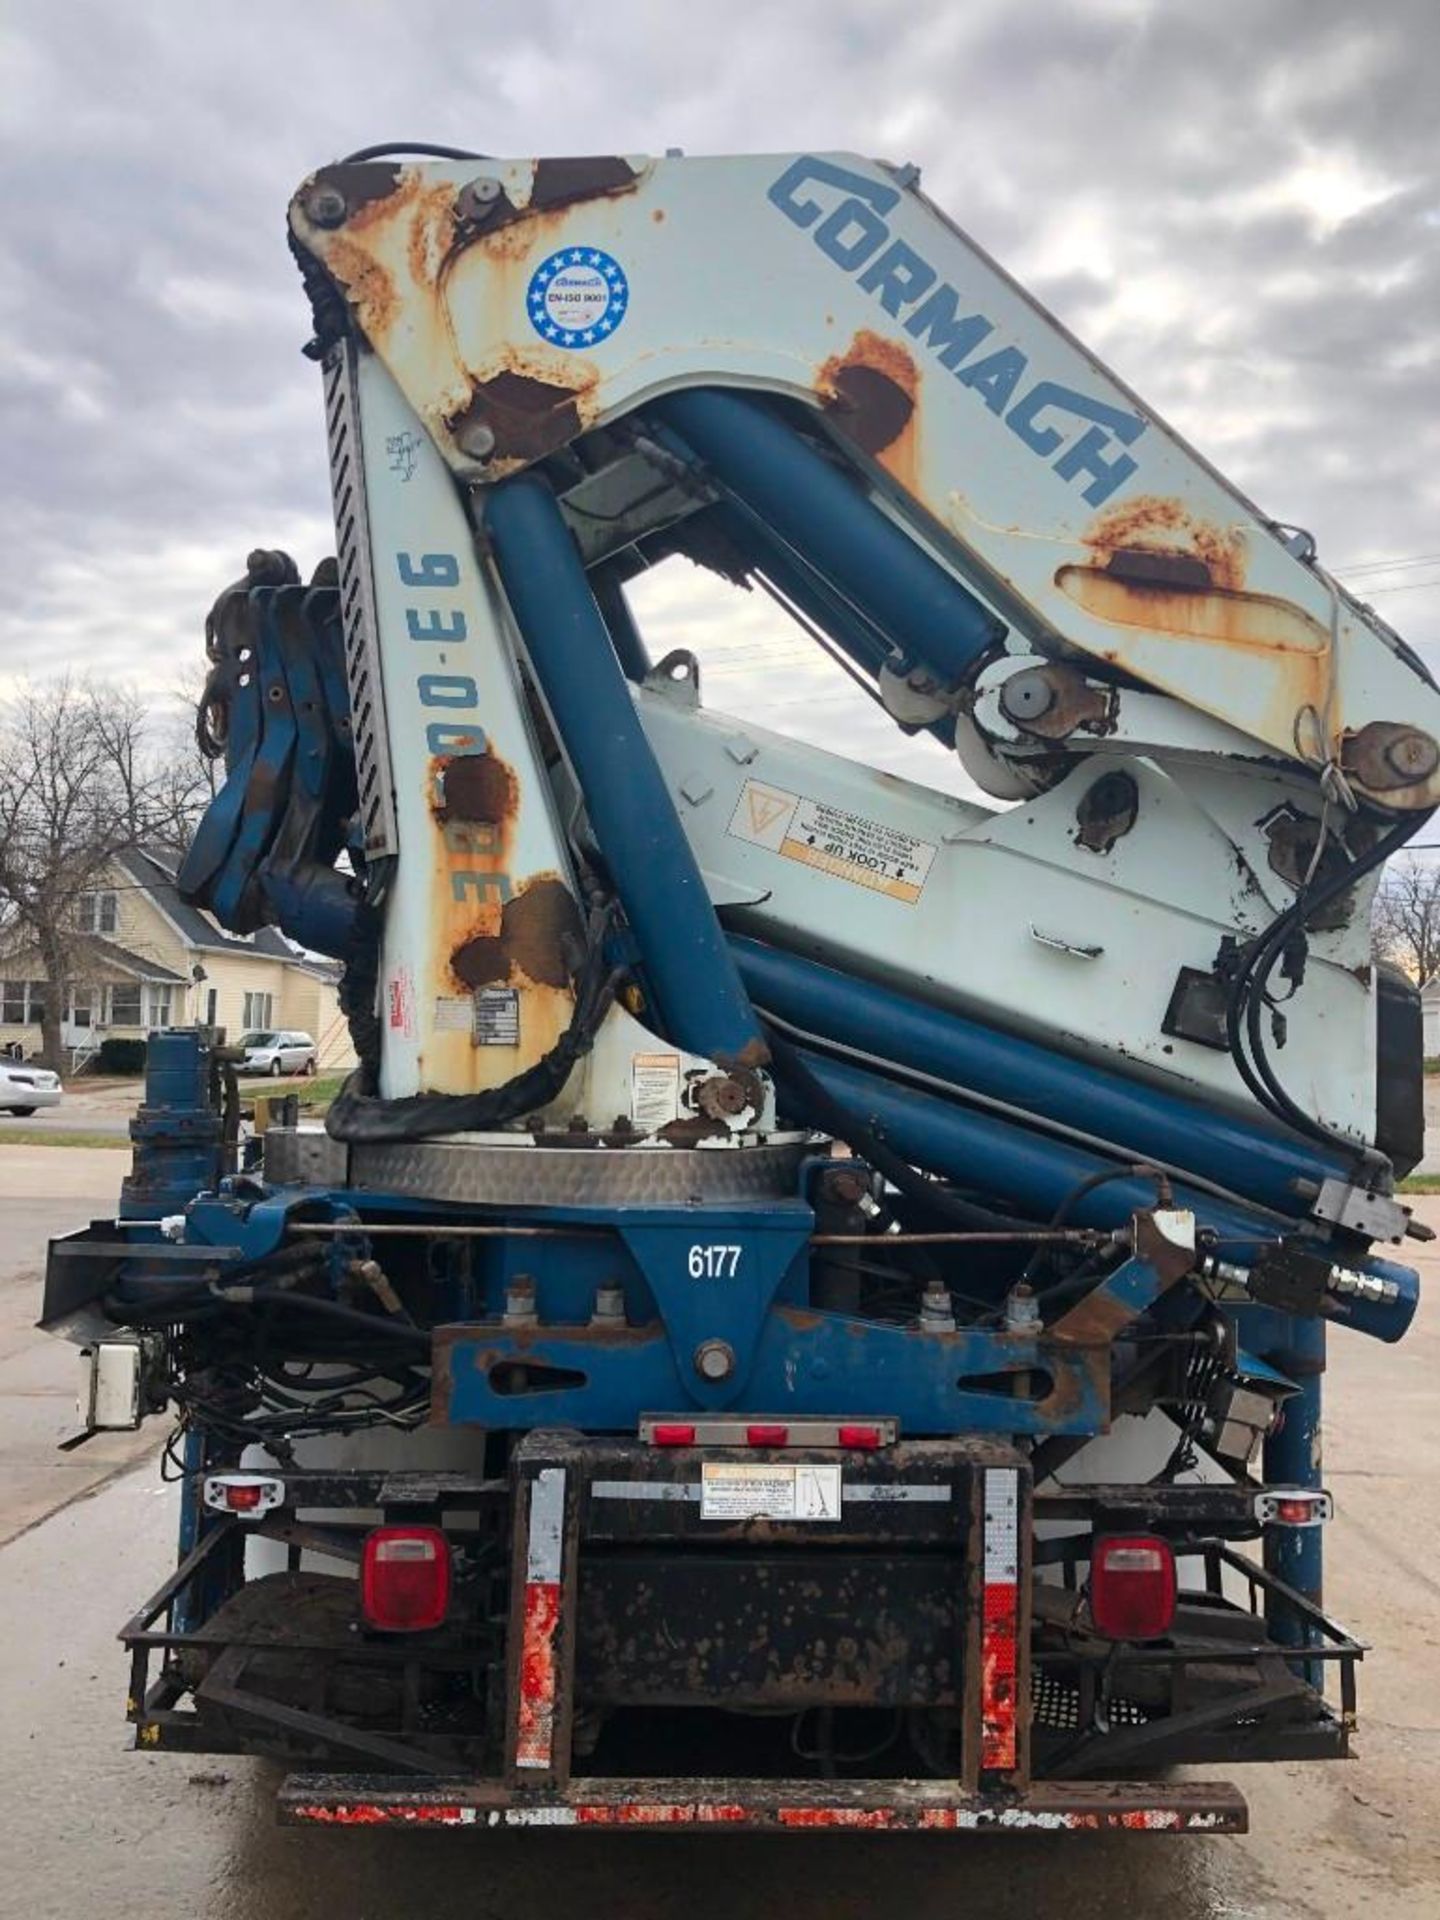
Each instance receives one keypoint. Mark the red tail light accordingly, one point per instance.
(766, 1436)
(1132, 1586)
(405, 1579)
(673, 1433)
(865, 1438)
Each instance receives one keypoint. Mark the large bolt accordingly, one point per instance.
(325, 207)
(1413, 754)
(476, 201)
(520, 1309)
(1028, 695)
(714, 1360)
(477, 440)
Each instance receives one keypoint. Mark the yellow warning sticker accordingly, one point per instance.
(847, 846)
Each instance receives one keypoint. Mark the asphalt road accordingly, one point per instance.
(88, 1827)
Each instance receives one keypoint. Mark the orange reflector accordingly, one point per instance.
(867, 1438)
(760, 1436)
(405, 1579)
(673, 1434)
(1132, 1586)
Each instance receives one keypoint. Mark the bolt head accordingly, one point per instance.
(325, 207)
(1413, 754)
(476, 440)
(714, 1360)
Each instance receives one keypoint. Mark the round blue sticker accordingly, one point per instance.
(577, 297)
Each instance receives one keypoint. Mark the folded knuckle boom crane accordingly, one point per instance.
(812, 1309)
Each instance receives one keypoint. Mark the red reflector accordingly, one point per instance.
(676, 1434)
(1132, 1587)
(759, 1436)
(405, 1579)
(866, 1437)
(1294, 1513)
(242, 1499)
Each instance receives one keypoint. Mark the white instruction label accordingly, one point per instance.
(452, 1014)
(654, 1090)
(768, 1492)
(847, 846)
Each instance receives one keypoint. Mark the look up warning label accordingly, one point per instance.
(867, 853)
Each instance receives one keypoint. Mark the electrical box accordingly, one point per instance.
(110, 1375)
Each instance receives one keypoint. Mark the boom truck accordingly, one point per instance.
(812, 1310)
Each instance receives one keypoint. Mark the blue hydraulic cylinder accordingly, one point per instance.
(176, 1133)
(1037, 1172)
(696, 984)
(1294, 1458)
(821, 511)
(1261, 1163)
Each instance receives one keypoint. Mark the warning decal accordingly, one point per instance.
(769, 1492)
(654, 1090)
(867, 853)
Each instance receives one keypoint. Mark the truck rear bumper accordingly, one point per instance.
(872, 1806)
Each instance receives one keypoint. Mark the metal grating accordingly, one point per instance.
(1056, 1707)
(357, 600)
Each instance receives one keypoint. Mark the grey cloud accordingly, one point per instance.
(157, 413)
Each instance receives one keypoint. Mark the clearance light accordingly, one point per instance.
(248, 1494)
(1293, 1507)
(405, 1579)
(811, 1432)
(1132, 1586)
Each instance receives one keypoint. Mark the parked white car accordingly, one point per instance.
(24, 1088)
(275, 1052)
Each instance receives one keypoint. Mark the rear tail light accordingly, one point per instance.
(673, 1433)
(867, 1439)
(766, 1436)
(405, 1579)
(1132, 1586)
(251, 1495)
(1293, 1506)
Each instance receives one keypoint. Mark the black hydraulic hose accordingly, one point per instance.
(827, 1112)
(1135, 1170)
(386, 1329)
(1245, 1005)
(426, 149)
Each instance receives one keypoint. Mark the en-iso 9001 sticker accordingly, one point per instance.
(765, 1491)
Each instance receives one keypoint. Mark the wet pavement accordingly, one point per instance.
(88, 1827)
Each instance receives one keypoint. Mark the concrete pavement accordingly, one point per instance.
(90, 1826)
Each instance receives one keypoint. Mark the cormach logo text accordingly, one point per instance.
(1075, 434)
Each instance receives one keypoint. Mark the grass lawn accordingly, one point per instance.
(23, 1136)
(315, 1095)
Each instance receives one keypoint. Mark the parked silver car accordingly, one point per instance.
(275, 1051)
(23, 1088)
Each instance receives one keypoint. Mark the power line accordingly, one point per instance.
(1387, 566)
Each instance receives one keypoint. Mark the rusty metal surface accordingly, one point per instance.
(878, 1806)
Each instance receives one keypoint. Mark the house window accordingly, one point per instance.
(125, 1003)
(97, 912)
(157, 1000)
(23, 1003)
(259, 1008)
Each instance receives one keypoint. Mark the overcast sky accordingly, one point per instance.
(1236, 205)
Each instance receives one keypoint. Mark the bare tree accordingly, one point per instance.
(82, 781)
(1407, 916)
